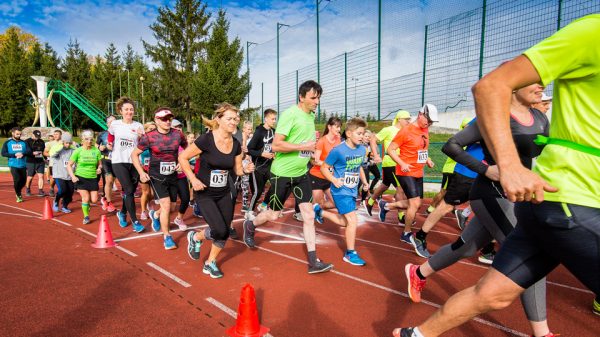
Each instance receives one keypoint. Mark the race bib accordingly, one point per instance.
(167, 167)
(66, 163)
(17, 147)
(422, 156)
(39, 155)
(218, 178)
(126, 143)
(305, 154)
(146, 161)
(351, 179)
(267, 148)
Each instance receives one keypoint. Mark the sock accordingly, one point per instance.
(370, 201)
(312, 258)
(419, 274)
(400, 215)
(421, 235)
(86, 209)
(430, 208)
(417, 333)
(349, 251)
(466, 212)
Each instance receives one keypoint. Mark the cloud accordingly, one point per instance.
(12, 8)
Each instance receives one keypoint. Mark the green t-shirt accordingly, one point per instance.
(86, 161)
(571, 58)
(298, 127)
(386, 135)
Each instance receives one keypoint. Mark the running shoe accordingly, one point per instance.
(550, 334)
(196, 211)
(354, 259)
(487, 258)
(415, 284)
(368, 207)
(19, 198)
(319, 267)
(41, 193)
(461, 220)
(193, 246)
(138, 227)
(596, 307)
(54, 206)
(404, 332)
(401, 219)
(169, 243)
(407, 237)
(233, 234)
(382, 210)
(180, 223)
(245, 208)
(297, 216)
(65, 210)
(144, 215)
(421, 248)
(318, 213)
(51, 193)
(110, 207)
(249, 233)
(155, 221)
(262, 207)
(212, 270)
(104, 203)
(430, 209)
(122, 219)
(86, 220)
(27, 192)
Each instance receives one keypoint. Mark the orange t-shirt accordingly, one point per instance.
(413, 143)
(325, 146)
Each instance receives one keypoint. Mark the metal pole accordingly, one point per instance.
(559, 14)
(128, 91)
(248, 44)
(378, 64)
(424, 67)
(279, 25)
(297, 84)
(345, 86)
(120, 92)
(143, 105)
(482, 38)
(262, 101)
(112, 98)
(318, 60)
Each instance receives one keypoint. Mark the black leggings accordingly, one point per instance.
(376, 176)
(183, 191)
(65, 189)
(19, 178)
(218, 213)
(257, 186)
(129, 178)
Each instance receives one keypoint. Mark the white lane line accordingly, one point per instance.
(268, 231)
(569, 287)
(127, 251)
(143, 236)
(286, 241)
(62, 222)
(226, 310)
(86, 232)
(169, 275)
(396, 292)
(25, 215)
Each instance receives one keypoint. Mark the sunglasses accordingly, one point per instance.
(165, 119)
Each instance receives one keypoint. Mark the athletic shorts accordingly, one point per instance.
(458, 190)
(319, 183)
(412, 187)
(86, 184)
(344, 203)
(33, 168)
(50, 171)
(282, 187)
(446, 180)
(389, 176)
(549, 234)
(165, 187)
(107, 167)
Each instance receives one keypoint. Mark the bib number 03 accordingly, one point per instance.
(218, 178)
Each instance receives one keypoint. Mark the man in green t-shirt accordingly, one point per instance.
(560, 225)
(293, 144)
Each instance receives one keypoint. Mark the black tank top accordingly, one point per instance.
(215, 166)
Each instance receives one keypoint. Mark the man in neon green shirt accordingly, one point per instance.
(560, 225)
(294, 143)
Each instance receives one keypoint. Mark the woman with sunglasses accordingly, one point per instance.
(123, 136)
(87, 160)
(147, 194)
(220, 155)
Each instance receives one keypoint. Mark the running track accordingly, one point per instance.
(55, 284)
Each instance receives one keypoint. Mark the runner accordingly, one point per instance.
(163, 143)
(293, 145)
(245, 179)
(560, 225)
(220, 154)
(15, 149)
(61, 154)
(330, 138)
(87, 167)
(183, 186)
(35, 162)
(107, 173)
(147, 197)
(370, 167)
(122, 140)
(346, 162)
(412, 143)
(56, 139)
(260, 148)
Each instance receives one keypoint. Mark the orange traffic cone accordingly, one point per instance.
(47, 214)
(247, 324)
(104, 238)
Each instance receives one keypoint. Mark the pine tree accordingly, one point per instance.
(14, 81)
(77, 71)
(50, 66)
(105, 70)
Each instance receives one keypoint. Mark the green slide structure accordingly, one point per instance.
(65, 99)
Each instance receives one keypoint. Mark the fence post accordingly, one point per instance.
(297, 84)
(482, 39)
(559, 14)
(345, 86)
(318, 60)
(424, 67)
(379, 62)
(262, 102)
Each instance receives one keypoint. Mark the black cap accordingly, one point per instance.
(37, 133)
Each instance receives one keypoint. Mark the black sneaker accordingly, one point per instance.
(461, 220)
(193, 246)
(249, 234)
(368, 208)
(51, 193)
(27, 192)
(405, 332)
(319, 267)
(41, 194)
(212, 270)
(233, 234)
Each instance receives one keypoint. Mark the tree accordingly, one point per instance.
(14, 78)
(50, 66)
(77, 73)
(180, 35)
(218, 79)
(105, 70)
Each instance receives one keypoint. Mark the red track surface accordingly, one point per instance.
(55, 284)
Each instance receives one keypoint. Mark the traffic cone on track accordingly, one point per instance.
(47, 214)
(247, 324)
(104, 238)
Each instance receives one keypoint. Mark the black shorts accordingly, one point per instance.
(412, 187)
(50, 171)
(458, 190)
(549, 234)
(107, 167)
(447, 180)
(282, 187)
(319, 183)
(86, 184)
(389, 176)
(33, 168)
(165, 187)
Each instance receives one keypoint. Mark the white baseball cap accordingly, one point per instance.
(431, 111)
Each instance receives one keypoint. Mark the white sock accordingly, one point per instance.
(417, 333)
(466, 212)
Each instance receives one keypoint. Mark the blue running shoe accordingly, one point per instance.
(353, 258)
(122, 219)
(318, 213)
(193, 246)
(421, 248)
(169, 243)
(65, 210)
(155, 221)
(407, 237)
(197, 212)
(212, 270)
(54, 206)
(138, 227)
(382, 210)
(86, 220)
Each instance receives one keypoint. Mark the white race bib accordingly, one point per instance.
(167, 167)
(351, 179)
(126, 143)
(422, 156)
(305, 154)
(17, 147)
(267, 148)
(218, 178)
(66, 163)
